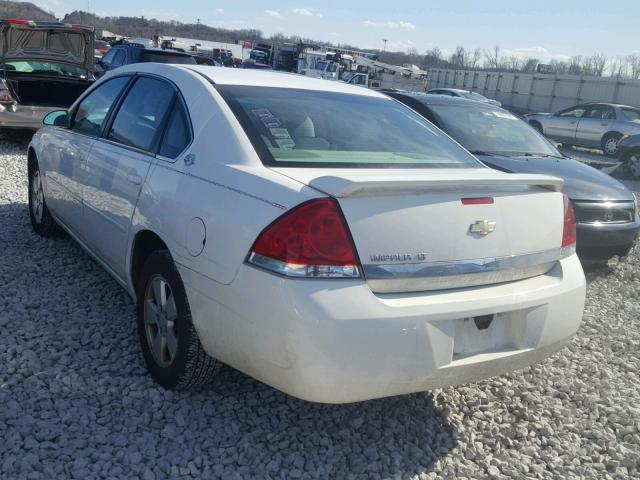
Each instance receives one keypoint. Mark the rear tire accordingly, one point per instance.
(170, 345)
(610, 144)
(41, 220)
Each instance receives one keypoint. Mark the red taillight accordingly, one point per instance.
(477, 201)
(13, 21)
(569, 231)
(311, 240)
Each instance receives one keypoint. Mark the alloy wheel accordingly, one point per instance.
(37, 197)
(160, 315)
(611, 146)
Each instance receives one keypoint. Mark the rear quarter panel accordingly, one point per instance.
(226, 186)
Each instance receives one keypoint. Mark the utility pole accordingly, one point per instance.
(384, 49)
(197, 27)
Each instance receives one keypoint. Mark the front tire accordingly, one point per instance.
(610, 144)
(41, 220)
(170, 345)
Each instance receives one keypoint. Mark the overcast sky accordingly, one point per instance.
(542, 28)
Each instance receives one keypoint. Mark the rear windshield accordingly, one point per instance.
(632, 114)
(168, 58)
(44, 68)
(306, 128)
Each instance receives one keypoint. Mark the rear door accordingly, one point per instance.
(118, 165)
(67, 155)
(594, 124)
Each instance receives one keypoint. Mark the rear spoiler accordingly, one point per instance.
(363, 184)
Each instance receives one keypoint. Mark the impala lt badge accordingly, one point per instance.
(482, 227)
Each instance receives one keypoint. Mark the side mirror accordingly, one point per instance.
(57, 118)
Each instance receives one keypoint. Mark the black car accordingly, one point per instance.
(606, 210)
(129, 53)
(629, 154)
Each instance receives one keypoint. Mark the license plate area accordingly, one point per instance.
(489, 333)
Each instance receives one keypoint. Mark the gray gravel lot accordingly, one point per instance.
(75, 401)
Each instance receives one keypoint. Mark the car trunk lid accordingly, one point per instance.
(48, 42)
(413, 231)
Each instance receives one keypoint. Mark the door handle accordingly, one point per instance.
(134, 178)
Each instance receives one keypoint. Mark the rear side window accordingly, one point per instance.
(177, 134)
(306, 128)
(142, 113)
(92, 111)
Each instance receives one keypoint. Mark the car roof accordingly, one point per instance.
(459, 90)
(153, 49)
(434, 99)
(266, 78)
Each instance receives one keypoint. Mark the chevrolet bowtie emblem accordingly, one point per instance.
(482, 227)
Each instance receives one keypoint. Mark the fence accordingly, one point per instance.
(534, 92)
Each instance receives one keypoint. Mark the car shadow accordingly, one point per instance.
(19, 138)
(69, 352)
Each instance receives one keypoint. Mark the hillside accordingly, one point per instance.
(23, 10)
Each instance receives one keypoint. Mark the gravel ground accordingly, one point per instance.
(75, 401)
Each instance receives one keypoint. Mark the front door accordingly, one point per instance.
(563, 125)
(118, 166)
(67, 155)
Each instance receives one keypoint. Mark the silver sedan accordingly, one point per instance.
(596, 125)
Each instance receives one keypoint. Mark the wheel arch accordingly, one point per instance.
(32, 159)
(537, 125)
(612, 133)
(144, 243)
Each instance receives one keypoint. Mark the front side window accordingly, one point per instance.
(141, 114)
(108, 57)
(120, 58)
(577, 112)
(489, 130)
(90, 115)
(306, 128)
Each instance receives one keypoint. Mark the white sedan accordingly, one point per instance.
(322, 238)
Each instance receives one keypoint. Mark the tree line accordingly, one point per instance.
(598, 65)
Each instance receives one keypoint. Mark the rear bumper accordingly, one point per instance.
(337, 342)
(601, 241)
(23, 116)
